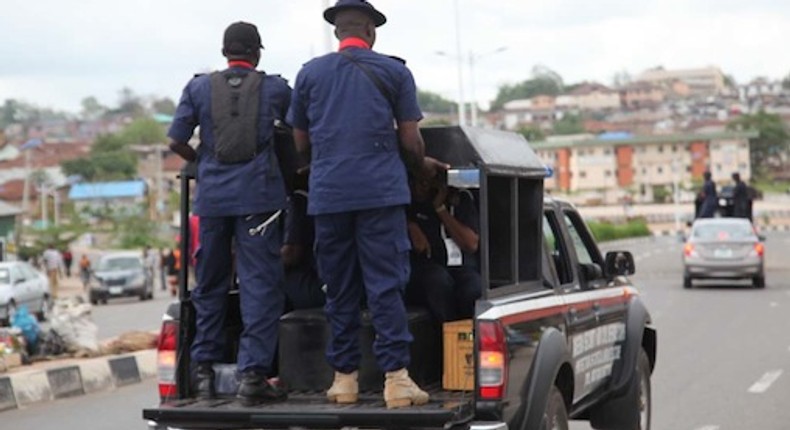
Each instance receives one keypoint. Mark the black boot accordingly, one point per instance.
(255, 389)
(204, 382)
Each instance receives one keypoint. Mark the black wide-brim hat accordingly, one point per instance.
(361, 5)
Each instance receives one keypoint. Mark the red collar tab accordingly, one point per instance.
(241, 63)
(353, 42)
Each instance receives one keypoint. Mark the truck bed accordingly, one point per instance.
(311, 409)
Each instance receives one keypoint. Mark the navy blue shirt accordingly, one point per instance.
(462, 206)
(233, 189)
(356, 161)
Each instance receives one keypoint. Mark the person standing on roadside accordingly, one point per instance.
(343, 121)
(740, 198)
(68, 258)
(53, 263)
(240, 194)
(709, 199)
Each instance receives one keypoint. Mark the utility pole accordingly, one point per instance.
(461, 102)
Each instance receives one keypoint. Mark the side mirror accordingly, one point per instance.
(18, 281)
(620, 263)
(761, 237)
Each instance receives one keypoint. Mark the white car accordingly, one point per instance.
(22, 285)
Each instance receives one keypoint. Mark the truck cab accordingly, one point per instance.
(559, 333)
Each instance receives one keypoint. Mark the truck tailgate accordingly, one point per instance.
(312, 410)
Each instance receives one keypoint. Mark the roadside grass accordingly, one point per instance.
(768, 186)
(606, 231)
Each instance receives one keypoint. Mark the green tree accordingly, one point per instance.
(767, 148)
(131, 103)
(544, 82)
(164, 105)
(532, 133)
(569, 124)
(786, 82)
(432, 102)
(143, 131)
(92, 109)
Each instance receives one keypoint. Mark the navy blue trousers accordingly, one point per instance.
(449, 293)
(358, 252)
(259, 271)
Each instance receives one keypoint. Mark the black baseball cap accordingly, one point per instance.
(361, 5)
(241, 38)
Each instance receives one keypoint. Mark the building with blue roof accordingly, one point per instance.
(123, 197)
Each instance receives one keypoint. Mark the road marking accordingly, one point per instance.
(709, 427)
(764, 383)
(774, 304)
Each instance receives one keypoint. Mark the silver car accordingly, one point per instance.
(22, 285)
(724, 248)
(120, 274)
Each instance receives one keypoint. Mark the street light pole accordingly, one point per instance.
(461, 103)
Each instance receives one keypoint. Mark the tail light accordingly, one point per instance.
(166, 359)
(492, 366)
(759, 249)
(689, 251)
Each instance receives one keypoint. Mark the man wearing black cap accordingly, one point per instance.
(239, 190)
(344, 119)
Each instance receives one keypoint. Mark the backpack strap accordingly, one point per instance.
(374, 78)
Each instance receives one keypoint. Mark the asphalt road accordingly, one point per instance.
(723, 352)
(125, 314)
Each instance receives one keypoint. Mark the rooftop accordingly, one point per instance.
(627, 139)
(107, 190)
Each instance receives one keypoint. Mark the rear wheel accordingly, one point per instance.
(555, 417)
(759, 281)
(634, 409)
(43, 313)
(10, 311)
(687, 281)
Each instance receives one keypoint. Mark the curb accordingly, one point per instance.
(29, 387)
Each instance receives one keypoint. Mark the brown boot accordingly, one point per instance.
(345, 389)
(400, 391)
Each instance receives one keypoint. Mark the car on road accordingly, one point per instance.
(724, 248)
(120, 274)
(559, 333)
(22, 285)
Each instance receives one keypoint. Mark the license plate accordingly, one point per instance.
(116, 290)
(722, 253)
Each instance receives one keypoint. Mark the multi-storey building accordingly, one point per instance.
(641, 163)
(705, 81)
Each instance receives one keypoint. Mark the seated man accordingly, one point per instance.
(301, 284)
(443, 228)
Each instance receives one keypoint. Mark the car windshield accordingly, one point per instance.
(5, 276)
(119, 263)
(724, 231)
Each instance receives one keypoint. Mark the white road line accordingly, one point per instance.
(773, 304)
(709, 427)
(764, 383)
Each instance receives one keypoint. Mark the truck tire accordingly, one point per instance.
(633, 410)
(555, 417)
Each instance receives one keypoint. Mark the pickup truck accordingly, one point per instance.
(560, 333)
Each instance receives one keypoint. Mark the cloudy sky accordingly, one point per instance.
(55, 52)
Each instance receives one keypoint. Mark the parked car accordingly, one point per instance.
(724, 248)
(120, 275)
(559, 333)
(22, 285)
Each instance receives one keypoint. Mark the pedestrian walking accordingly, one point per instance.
(85, 271)
(67, 260)
(240, 194)
(53, 263)
(343, 108)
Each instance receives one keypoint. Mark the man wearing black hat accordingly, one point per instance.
(342, 111)
(239, 190)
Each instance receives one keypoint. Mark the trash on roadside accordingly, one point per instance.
(27, 323)
(71, 320)
(130, 342)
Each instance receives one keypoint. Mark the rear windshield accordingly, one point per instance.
(5, 276)
(120, 263)
(724, 231)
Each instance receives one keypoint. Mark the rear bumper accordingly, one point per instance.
(719, 270)
(125, 291)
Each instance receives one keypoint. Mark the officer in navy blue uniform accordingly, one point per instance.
(444, 231)
(358, 192)
(239, 190)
